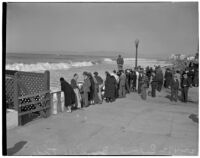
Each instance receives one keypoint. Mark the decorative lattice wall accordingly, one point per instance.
(30, 83)
(28, 92)
(10, 93)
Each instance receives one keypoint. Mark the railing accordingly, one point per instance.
(33, 103)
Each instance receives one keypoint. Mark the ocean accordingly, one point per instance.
(61, 65)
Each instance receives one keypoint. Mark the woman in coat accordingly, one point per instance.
(110, 86)
(144, 86)
(92, 89)
(96, 90)
(68, 93)
(76, 90)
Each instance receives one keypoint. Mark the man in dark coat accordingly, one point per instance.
(120, 63)
(99, 84)
(144, 86)
(91, 94)
(185, 84)
(122, 85)
(113, 79)
(148, 73)
(174, 88)
(196, 78)
(68, 93)
(159, 78)
(117, 82)
(86, 88)
(153, 85)
(191, 75)
(76, 90)
(140, 81)
(110, 84)
(127, 73)
(168, 78)
(133, 78)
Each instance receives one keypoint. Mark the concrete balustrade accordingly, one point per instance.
(57, 102)
(62, 101)
(12, 118)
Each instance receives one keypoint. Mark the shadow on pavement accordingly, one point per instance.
(17, 147)
(194, 118)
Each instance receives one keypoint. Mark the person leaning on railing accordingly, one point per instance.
(68, 93)
(86, 88)
(76, 90)
(99, 86)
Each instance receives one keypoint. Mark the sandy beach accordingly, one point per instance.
(128, 126)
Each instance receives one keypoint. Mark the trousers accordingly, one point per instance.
(122, 91)
(143, 92)
(185, 94)
(78, 98)
(85, 95)
(99, 93)
(174, 94)
(153, 89)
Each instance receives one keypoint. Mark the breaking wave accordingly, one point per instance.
(108, 60)
(130, 59)
(139, 59)
(47, 66)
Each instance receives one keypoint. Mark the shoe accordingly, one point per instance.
(69, 110)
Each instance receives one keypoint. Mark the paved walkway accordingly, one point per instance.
(128, 126)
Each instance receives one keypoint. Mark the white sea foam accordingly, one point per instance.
(139, 59)
(108, 60)
(130, 59)
(46, 66)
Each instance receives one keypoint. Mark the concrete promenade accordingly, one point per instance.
(129, 126)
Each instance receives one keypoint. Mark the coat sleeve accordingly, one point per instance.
(88, 83)
(62, 87)
(73, 84)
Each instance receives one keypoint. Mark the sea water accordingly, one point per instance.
(61, 65)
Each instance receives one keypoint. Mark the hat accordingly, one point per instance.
(95, 73)
(89, 73)
(85, 73)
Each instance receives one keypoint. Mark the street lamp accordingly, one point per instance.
(136, 46)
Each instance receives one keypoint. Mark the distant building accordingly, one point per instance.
(190, 57)
(182, 57)
(177, 57)
(172, 57)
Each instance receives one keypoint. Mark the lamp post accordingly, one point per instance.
(136, 53)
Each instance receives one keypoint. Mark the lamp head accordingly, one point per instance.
(136, 42)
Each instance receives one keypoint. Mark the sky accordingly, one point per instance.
(103, 28)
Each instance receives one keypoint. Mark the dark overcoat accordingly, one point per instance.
(168, 78)
(110, 84)
(68, 93)
(92, 89)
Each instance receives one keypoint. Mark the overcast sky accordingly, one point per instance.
(162, 28)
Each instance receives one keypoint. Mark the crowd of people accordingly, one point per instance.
(95, 90)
